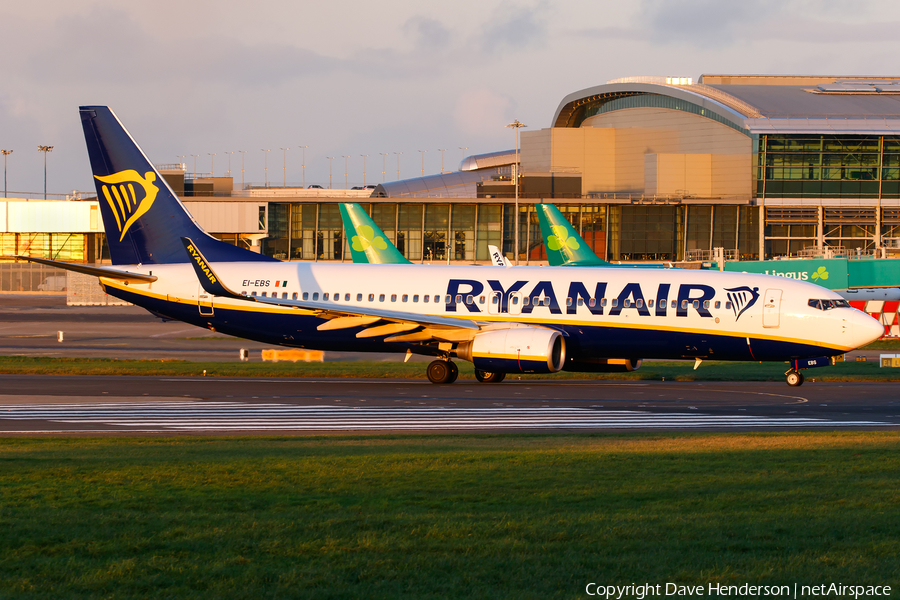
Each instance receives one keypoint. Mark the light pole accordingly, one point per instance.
(442, 150)
(243, 154)
(5, 154)
(383, 163)
(284, 169)
(330, 163)
(345, 170)
(212, 164)
(266, 166)
(398, 164)
(423, 161)
(365, 156)
(516, 125)
(195, 163)
(463, 153)
(45, 150)
(181, 162)
(303, 164)
(229, 163)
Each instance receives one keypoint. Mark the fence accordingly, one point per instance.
(28, 277)
(80, 290)
(85, 290)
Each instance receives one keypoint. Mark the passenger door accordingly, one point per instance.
(204, 302)
(772, 308)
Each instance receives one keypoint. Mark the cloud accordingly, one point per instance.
(706, 22)
(711, 23)
(514, 28)
(428, 34)
(113, 47)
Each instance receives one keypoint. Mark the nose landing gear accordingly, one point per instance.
(794, 378)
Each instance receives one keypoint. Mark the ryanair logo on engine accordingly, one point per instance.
(129, 196)
(201, 264)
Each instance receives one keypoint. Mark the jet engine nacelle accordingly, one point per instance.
(516, 350)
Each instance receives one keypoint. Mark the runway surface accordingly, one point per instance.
(116, 405)
(106, 405)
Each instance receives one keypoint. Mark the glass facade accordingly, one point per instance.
(463, 232)
(609, 103)
(826, 166)
(69, 247)
(429, 232)
(434, 236)
(646, 233)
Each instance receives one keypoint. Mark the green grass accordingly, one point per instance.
(651, 370)
(512, 516)
(888, 345)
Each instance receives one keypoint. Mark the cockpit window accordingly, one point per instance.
(828, 304)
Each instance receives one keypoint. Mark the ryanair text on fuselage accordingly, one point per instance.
(689, 296)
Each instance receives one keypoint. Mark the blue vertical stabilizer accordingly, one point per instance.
(143, 218)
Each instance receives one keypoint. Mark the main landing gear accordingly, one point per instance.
(446, 371)
(794, 378)
(442, 371)
(488, 377)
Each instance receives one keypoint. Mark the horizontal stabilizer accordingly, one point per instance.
(95, 271)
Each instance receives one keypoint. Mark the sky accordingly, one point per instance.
(349, 78)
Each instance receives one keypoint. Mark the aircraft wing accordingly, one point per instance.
(109, 272)
(400, 326)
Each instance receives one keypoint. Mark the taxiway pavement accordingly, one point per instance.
(116, 405)
(103, 405)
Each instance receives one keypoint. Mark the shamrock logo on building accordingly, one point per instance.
(560, 240)
(820, 273)
(366, 237)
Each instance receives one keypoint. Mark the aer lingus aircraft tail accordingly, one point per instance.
(143, 219)
(368, 244)
(565, 247)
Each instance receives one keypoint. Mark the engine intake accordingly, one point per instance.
(516, 350)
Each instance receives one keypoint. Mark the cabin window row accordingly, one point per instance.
(639, 303)
(514, 300)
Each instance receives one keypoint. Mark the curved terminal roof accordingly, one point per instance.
(485, 161)
(755, 104)
(460, 184)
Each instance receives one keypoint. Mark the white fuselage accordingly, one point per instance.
(619, 304)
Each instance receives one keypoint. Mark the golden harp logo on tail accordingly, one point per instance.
(125, 200)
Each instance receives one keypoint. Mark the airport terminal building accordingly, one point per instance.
(648, 169)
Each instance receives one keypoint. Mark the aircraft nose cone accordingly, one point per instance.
(866, 329)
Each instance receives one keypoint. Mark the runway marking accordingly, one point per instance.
(800, 399)
(156, 335)
(353, 381)
(241, 416)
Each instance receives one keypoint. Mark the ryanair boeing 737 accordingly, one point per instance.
(519, 320)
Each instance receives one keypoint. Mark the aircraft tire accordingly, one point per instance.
(794, 378)
(488, 377)
(454, 372)
(439, 371)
